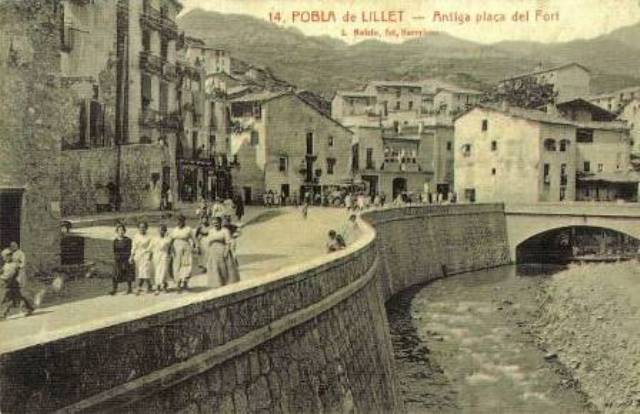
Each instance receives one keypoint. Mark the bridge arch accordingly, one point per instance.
(522, 226)
(558, 244)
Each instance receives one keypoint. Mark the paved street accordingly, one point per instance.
(275, 240)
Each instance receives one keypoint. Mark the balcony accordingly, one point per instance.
(155, 65)
(152, 19)
(150, 118)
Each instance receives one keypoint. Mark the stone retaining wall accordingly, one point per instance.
(313, 338)
(422, 243)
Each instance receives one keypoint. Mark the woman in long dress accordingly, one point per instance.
(141, 253)
(183, 244)
(123, 271)
(161, 259)
(201, 233)
(232, 258)
(218, 242)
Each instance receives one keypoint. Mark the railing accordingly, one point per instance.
(153, 19)
(156, 65)
(150, 118)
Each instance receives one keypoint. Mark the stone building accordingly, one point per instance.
(570, 80)
(615, 101)
(568, 152)
(514, 155)
(120, 59)
(283, 144)
(454, 100)
(34, 114)
(631, 115)
(412, 159)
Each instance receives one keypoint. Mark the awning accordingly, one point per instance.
(620, 177)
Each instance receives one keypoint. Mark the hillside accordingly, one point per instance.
(324, 64)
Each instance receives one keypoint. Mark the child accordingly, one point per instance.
(9, 282)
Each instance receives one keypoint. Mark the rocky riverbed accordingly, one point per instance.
(470, 344)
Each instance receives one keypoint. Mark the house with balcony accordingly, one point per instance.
(120, 60)
(281, 143)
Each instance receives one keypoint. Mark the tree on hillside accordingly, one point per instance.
(522, 92)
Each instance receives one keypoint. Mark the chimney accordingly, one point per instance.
(552, 109)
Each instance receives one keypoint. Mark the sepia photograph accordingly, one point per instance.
(320, 206)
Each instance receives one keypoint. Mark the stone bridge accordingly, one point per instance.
(526, 221)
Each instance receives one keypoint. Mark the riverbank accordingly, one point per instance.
(466, 344)
(589, 319)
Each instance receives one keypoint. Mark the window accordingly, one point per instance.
(282, 164)
(546, 174)
(485, 125)
(369, 158)
(563, 176)
(587, 166)
(309, 142)
(563, 145)
(164, 48)
(494, 145)
(164, 97)
(331, 163)
(410, 105)
(449, 145)
(600, 167)
(466, 150)
(194, 144)
(146, 41)
(493, 171)
(470, 194)
(330, 141)
(146, 90)
(255, 138)
(398, 93)
(550, 144)
(584, 135)
(398, 105)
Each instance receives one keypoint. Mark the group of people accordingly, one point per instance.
(222, 208)
(154, 261)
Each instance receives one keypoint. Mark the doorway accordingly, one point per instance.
(10, 207)
(399, 186)
(247, 194)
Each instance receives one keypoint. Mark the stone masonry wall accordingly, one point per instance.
(82, 170)
(419, 244)
(311, 340)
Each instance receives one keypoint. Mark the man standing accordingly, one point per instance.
(10, 287)
(20, 260)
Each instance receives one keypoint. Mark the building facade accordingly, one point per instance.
(282, 144)
(517, 155)
(615, 101)
(514, 155)
(120, 59)
(569, 81)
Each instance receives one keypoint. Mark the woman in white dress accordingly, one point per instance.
(182, 243)
(141, 254)
(218, 242)
(161, 259)
(201, 233)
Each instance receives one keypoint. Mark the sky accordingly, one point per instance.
(477, 20)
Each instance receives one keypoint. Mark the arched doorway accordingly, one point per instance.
(399, 185)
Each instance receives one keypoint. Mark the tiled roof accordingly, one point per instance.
(539, 71)
(260, 96)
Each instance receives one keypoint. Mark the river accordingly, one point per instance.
(463, 344)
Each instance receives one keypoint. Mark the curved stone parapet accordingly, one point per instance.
(308, 338)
